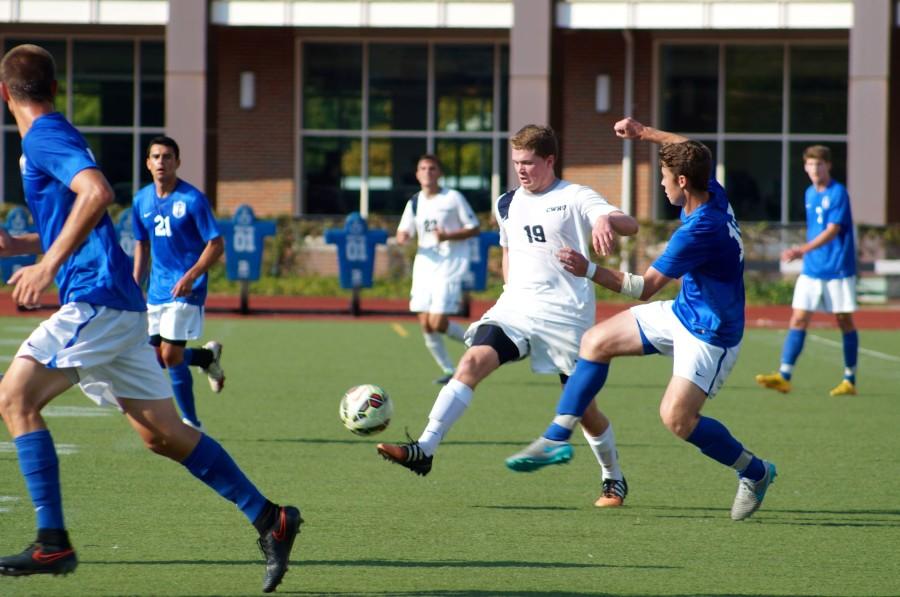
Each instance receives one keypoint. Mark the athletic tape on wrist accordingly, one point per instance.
(591, 270)
(632, 285)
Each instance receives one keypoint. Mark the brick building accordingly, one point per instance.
(306, 107)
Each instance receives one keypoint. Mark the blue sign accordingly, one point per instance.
(126, 233)
(16, 225)
(356, 251)
(244, 240)
(476, 277)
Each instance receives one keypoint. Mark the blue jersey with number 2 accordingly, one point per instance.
(708, 254)
(98, 272)
(178, 227)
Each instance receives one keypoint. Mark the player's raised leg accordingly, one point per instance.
(616, 336)
(490, 348)
(158, 424)
(25, 389)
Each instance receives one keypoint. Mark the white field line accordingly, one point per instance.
(872, 353)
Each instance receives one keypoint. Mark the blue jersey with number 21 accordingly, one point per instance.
(178, 227)
(708, 254)
(98, 272)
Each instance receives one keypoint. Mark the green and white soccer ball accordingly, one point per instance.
(366, 409)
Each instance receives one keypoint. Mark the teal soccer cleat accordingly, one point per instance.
(540, 453)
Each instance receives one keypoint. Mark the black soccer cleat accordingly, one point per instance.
(276, 546)
(411, 455)
(40, 559)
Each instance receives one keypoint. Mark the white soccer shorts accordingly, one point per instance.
(828, 296)
(442, 296)
(175, 320)
(701, 363)
(108, 349)
(552, 346)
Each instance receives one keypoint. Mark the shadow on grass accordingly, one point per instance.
(823, 518)
(495, 593)
(373, 563)
(372, 441)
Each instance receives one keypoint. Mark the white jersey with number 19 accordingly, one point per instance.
(533, 227)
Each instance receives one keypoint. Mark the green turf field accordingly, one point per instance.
(142, 525)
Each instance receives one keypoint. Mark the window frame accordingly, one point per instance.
(497, 136)
(135, 130)
(720, 137)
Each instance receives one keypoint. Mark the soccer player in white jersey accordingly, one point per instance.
(98, 337)
(701, 329)
(543, 310)
(828, 281)
(442, 220)
(173, 222)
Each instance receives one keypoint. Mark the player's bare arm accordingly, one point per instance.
(824, 237)
(141, 261)
(459, 234)
(93, 195)
(403, 237)
(629, 128)
(25, 244)
(211, 253)
(605, 229)
(639, 287)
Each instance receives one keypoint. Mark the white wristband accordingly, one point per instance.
(591, 270)
(632, 285)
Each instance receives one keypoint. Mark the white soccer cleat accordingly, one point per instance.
(750, 494)
(214, 372)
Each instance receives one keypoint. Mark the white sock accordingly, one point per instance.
(435, 344)
(604, 448)
(451, 402)
(455, 331)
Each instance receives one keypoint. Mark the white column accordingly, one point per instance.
(867, 118)
(186, 34)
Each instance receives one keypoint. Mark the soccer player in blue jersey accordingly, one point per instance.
(701, 329)
(828, 281)
(98, 337)
(172, 222)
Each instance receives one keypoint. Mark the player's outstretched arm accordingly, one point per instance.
(823, 238)
(92, 196)
(639, 287)
(629, 128)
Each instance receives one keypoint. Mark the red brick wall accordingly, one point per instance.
(253, 149)
(591, 154)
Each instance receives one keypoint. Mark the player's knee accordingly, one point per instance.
(676, 422)
(171, 359)
(596, 344)
(12, 404)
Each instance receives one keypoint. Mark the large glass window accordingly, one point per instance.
(98, 96)
(757, 105)
(370, 109)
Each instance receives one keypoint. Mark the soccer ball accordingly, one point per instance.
(366, 409)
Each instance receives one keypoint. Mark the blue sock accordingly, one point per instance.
(715, 441)
(851, 352)
(582, 386)
(183, 388)
(210, 463)
(793, 346)
(40, 467)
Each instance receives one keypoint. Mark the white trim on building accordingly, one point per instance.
(88, 12)
(704, 14)
(491, 14)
